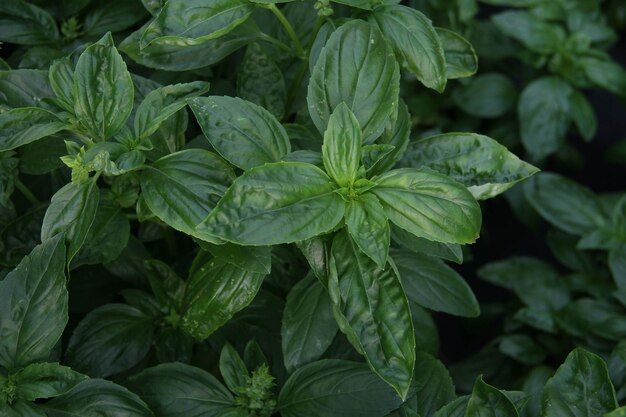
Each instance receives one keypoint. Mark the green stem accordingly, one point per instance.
(26, 192)
(292, 33)
(274, 41)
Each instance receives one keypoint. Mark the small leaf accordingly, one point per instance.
(461, 59)
(232, 368)
(25, 125)
(487, 401)
(367, 224)
(583, 115)
(341, 151)
(537, 35)
(487, 95)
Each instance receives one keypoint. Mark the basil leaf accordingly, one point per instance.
(415, 42)
(168, 288)
(112, 16)
(214, 294)
(397, 133)
(293, 200)
(182, 188)
(544, 115)
(367, 224)
(308, 326)
(476, 161)
(583, 115)
(110, 339)
(160, 104)
(372, 310)
(25, 24)
(253, 259)
(261, 82)
(21, 235)
(432, 284)
(336, 387)
(433, 386)
(617, 264)
(341, 151)
(581, 387)
(537, 35)
(605, 74)
(487, 401)
(176, 389)
(33, 311)
(93, 396)
(232, 368)
(487, 96)
(448, 251)
(193, 22)
(25, 125)
(61, 75)
(72, 211)
(45, 380)
(429, 205)
(356, 67)
(245, 134)
(103, 89)
(25, 88)
(461, 59)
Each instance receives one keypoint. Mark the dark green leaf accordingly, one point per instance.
(112, 16)
(605, 74)
(584, 115)
(232, 368)
(341, 151)
(253, 259)
(448, 251)
(487, 401)
(396, 134)
(537, 35)
(488, 95)
(25, 125)
(461, 59)
(367, 224)
(61, 76)
(45, 380)
(26, 24)
(24, 88)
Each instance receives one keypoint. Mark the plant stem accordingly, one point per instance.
(26, 192)
(292, 33)
(274, 41)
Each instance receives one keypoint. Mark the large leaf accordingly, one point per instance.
(487, 401)
(182, 188)
(476, 161)
(432, 284)
(373, 312)
(537, 35)
(367, 224)
(276, 203)
(341, 151)
(415, 42)
(308, 326)
(214, 294)
(110, 339)
(335, 387)
(244, 133)
(33, 307)
(45, 380)
(176, 389)
(25, 125)
(581, 387)
(103, 89)
(429, 205)
(193, 22)
(25, 24)
(356, 67)
(24, 88)
(72, 211)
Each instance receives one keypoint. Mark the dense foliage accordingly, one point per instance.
(256, 208)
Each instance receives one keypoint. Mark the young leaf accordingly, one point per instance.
(244, 133)
(487, 401)
(432, 284)
(276, 203)
(176, 389)
(33, 311)
(476, 161)
(367, 224)
(182, 188)
(308, 327)
(396, 134)
(372, 310)
(336, 387)
(581, 387)
(415, 42)
(356, 67)
(341, 151)
(103, 89)
(461, 59)
(429, 205)
(45, 380)
(25, 125)
(232, 368)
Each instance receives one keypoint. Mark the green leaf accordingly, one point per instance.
(25, 125)
(61, 75)
(367, 224)
(261, 81)
(605, 74)
(415, 42)
(193, 22)
(372, 310)
(308, 326)
(544, 115)
(427, 335)
(103, 89)
(168, 288)
(341, 151)
(356, 67)
(433, 386)
(244, 133)
(554, 196)
(537, 35)
(448, 251)
(454, 409)
(113, 16)
(92, 397)
(617, 264)
(21, 235)
(45, 380)
(176, 389)
(580, 388)
(182, 188)
(276, 203)
(25, 24)
(397, 134)
(429, 205)
(336, 387)
(232, 368)
(476, 161)
(25, 88)
(33, 311)
(160, 104)
(487, 95)
(487, 401)
(432, 284)
(583, 115)
(214, 294)
(110, 339)
(461, 59)
(253, 259)
(72, 211)
(360, 4)
(522, 348)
